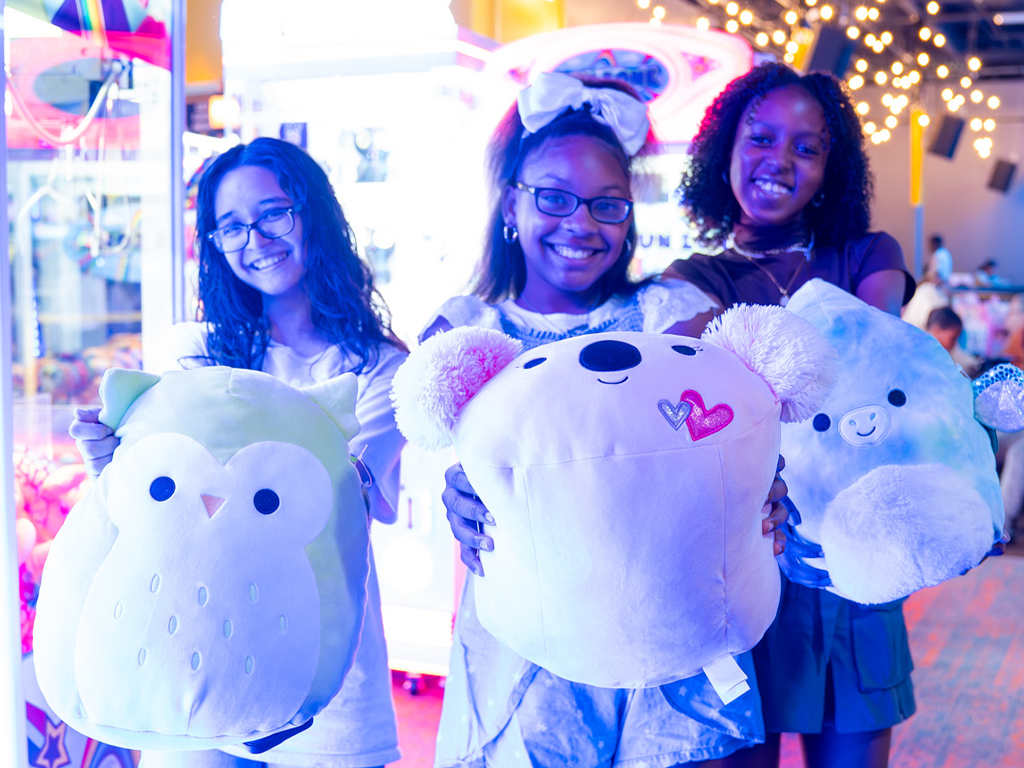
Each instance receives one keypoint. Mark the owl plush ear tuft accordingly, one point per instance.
(119, 388)
(337, 397)
(799, 365)
(440, 377)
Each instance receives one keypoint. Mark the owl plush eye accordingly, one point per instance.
(822, 422)
(533, 363)
(683, 349)
(898, 398)
(162, 488)
(266, 501)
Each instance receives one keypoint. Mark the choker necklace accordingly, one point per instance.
(754, 258)
(526, 304)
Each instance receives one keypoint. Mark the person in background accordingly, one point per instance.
(283, 290)
(986, 277)
(947, 327)
(779, 189)
(940, 262)
(560, 240)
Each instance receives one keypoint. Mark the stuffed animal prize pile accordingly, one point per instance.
(626, 473)
(209, 589)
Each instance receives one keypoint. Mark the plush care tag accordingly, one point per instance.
(728, 680)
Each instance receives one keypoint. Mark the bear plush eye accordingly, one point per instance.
(162, 488)
(682, 349)
(266, 501)
(897, 397)
(821, 422)
(534, 363)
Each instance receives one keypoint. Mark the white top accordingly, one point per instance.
(358, 728)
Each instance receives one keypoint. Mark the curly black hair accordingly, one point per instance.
(706, 196)
(346, 308)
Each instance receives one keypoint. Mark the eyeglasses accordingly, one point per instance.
(558, 202)
(272, 225)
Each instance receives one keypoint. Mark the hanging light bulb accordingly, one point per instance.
(732, 25)
(947, 94)
(923, 120)
(856, 82)
(791, 17)
(940, 40)
(881, 77)
(789, 58)
(932, 7)
(897, 68)
(924, 33)
(989, 124)
(778, 37)
(658, 12)
(746, 17)
(870, 127)
(643, 4)
(976, 124)
(861, 65)
(873, 14)
(703, 24)
(863, 108)
(965, 82)
(885, 37)
(885, 134)
(974, 63)
(732, 9)
(942, 70)
(878, 47)
(887, 99)
(922, 59)
(826, 12)
(977, 96)
(861, 13)
(869, 39)
(993, 102)
(914, 76)
(852, 32)
(761, 39)
(891, 121)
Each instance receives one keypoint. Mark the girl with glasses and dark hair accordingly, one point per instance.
(779, 185)
(555, 265)
(283, 290)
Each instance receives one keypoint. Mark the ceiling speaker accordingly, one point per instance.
(946, 137)
(1002, 175)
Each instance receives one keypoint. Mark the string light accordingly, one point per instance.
(977, 96)
(965, 82)
(983, 145)
(792, 47)
(891, 121)
(878, 46)
(791, 17)
(923, 120)
(897, 68)
(922, 59)
(861, 13)
(939, 40)
(863, 108)
(869, 40)
(947, 94)
(789, 58)
(852, 32)
(887, 99)
(762, 39)
(976, 124)
(881, 77)
(914, 77)
(885, 37)
(658, 12)
(746, 17)
(885, 134)
(873, 14)
(732, 25)
(810, 3)
(942, 70)
(654, 22)
(779, 37)
(732, 9)
(993, 102)
(870, 127)
(924, 33)
(826, 12)
(644, 4)
(932, 7)
(989, 124)
(974, 63)
(861, 65)
(703, 24)
(856, 82)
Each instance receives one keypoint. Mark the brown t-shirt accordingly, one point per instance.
(733, 278)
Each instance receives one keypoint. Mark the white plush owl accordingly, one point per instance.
(210, 589)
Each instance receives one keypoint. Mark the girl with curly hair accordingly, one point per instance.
(282, 290)
(779, 186)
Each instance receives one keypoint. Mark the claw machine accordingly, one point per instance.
(92, 274)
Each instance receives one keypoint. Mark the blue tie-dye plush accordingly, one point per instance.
(894, 478)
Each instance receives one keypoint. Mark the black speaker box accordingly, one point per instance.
(1002, 175)
(946, 137)
(831, 52)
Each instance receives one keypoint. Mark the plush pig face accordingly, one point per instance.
(210, 588)
(893, 477)
(626, 473)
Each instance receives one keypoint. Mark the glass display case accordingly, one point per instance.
(93, 133)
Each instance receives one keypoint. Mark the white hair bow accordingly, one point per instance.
(553, 92)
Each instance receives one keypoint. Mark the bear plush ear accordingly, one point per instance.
(796, 361)
(441, 375)
(119, 388)
(999, 398)
(337, 397)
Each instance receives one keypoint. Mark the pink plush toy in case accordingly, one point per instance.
(626, 473)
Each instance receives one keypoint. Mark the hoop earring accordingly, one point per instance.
(510, 233)
(628, 245)
(818, 199)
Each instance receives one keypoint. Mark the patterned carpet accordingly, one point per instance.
(967, 637)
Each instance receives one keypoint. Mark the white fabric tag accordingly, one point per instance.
(727, 678)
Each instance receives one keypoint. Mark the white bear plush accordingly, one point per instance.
(626, 473)
(893, 480)
(210, 588)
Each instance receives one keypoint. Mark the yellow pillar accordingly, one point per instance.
(916, 155)
(508, 20)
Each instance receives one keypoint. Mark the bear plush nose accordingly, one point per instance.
(609, 355)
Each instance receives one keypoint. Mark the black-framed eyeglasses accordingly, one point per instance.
(273, 224)
(558, 202)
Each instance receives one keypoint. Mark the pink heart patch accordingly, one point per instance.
(702, 422)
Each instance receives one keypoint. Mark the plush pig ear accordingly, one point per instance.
(441, 375)
(799, 365)
(999, 398)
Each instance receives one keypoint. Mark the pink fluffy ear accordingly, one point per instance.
(441, 375)
(785, 350)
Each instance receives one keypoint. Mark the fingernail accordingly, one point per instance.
(488, 518)
(771, 526)
(485, 544)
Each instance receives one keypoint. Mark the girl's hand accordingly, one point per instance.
(96, 441)
(466, 516)
(776, 514)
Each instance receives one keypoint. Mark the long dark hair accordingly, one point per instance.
(346, 308)
(707, 197)
(501, 271)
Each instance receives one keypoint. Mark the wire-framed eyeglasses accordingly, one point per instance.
(273, 224)
(558, 202)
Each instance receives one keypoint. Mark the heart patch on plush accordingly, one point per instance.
(702, 422)
(675, 415)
